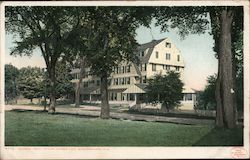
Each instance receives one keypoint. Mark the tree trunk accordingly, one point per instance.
(52, 106)
(225, 55)
(45, 103)
(219, 108)
(78, 84)
(104, 97)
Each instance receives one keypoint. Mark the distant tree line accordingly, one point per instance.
(32, 82)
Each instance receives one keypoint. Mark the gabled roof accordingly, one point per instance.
(151, 44)
(134, 89)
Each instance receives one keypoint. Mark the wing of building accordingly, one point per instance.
(128, 81)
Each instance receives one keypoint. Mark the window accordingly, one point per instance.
(177, 68)
(178, 58)
(85, 84)
(128, 68)
(117, 70)
(144, 80)
(168, 45)
(143, 67)
(116, 81)
(122, 81)
(156, 54)
(128, 80)
(167, 56)
(187, 96)
(153, 67)
(123, 69)
(142, 54)
(166, 67)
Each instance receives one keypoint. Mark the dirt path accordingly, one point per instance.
(95, 112)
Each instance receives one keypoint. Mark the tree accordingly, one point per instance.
(10, 87)
(43, 27)
(64, 86)
(166, 89)
(207, 97)
(112, 40)
(30, 82)
(226, 23)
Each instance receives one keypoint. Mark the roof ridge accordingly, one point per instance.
(152, 41)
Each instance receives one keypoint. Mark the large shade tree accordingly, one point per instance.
(111, 32)
(226, 24)
(46, 28)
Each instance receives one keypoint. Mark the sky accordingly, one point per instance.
(196, 50)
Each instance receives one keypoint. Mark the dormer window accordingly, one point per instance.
(168, 45)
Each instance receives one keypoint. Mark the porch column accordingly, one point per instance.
(135, 98)
(90, 97)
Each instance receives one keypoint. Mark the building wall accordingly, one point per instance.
(172, 63)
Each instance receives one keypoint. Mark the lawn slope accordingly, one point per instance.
(31, 128)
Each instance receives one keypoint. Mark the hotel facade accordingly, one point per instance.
(128, 81)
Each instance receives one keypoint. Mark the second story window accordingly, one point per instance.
(153, 67)
(128, 80)
(167, 56)
(156, 54)
(128, 69)
(178, 58)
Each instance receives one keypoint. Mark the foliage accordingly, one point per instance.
(11, 89)
(106, 37)
(166, 89)
(30, 82)
(188, 20)
(43, 27)
(226, 28)
(206, 99)
(64, 86)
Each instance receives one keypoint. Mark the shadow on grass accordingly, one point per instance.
(218, 136)
(57, 113)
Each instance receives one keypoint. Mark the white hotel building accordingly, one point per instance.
(128, 81)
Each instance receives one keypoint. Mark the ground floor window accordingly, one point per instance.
(187, 96)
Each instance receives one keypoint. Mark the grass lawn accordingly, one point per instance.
(32, 128)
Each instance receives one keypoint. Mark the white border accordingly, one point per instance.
(127, 152)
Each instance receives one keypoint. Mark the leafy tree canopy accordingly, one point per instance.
(11, 90)
(30, 82)
(166, 89)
